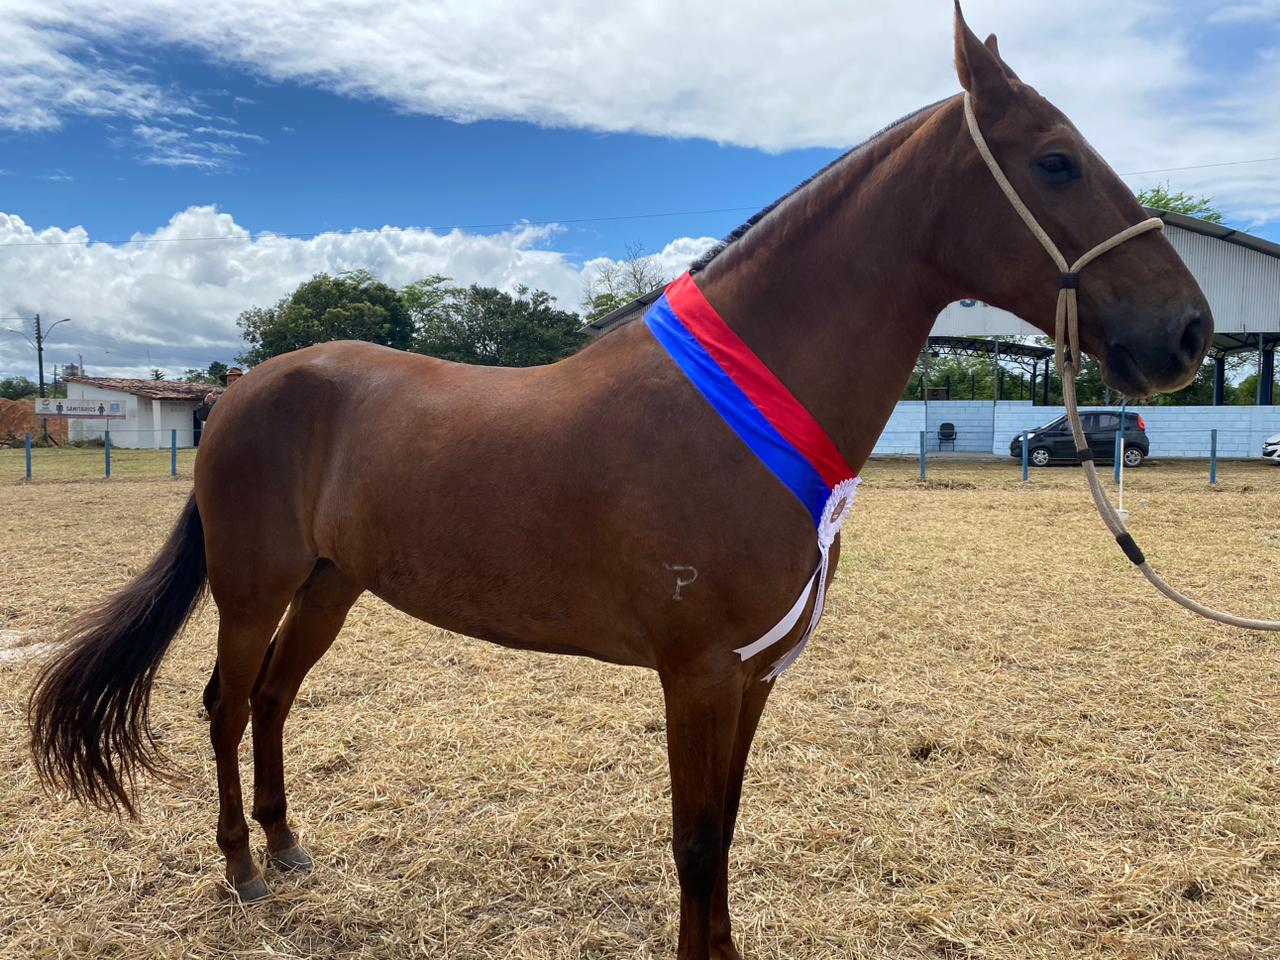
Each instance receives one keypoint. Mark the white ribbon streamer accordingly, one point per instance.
(833, 516)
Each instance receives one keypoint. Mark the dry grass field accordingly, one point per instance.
(1001, 744)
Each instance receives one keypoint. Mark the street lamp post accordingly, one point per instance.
(41, 336)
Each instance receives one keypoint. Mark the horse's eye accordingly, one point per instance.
(1056, 167)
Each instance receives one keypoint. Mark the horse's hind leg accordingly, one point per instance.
(314, 619)
(242, 641)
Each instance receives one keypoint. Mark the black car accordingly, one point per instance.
(1053, 442)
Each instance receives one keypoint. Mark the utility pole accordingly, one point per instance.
(44, 422)
(40, 338)
(40, 363)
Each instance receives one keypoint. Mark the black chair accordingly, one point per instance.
(947, 434)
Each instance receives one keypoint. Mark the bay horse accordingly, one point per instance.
(599, 506)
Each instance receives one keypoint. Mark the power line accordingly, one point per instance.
(1201, 166)
(522, 223)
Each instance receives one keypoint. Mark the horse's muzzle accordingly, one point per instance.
(1161, 363)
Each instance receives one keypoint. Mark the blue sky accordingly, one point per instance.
(381, 126)
(309, 160)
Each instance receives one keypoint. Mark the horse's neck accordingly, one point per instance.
(836, 289)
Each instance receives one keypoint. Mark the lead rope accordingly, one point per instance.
(1067, 334)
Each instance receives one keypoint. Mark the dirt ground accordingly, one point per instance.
(18, 418)
(1001, 744)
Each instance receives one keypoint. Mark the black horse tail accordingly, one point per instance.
(88, 709)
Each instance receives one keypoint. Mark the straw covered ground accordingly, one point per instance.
(1002, 744)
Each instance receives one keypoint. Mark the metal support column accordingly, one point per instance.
(1266, 378)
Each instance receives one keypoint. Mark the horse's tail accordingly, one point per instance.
(88, 709)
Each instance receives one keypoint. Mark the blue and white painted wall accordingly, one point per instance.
(1173, 431)
(986, 427)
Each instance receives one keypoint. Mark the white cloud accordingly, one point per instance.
(174, 305)
(231, 134)
(177, 147)
(769, 75)
(47, 72)
(50, 70)
(1256, 11)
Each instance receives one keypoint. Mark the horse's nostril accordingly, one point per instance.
(1192, 345)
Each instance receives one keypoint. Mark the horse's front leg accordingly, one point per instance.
(702, 723)
(754, 698)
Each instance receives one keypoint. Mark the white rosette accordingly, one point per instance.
(833, 516)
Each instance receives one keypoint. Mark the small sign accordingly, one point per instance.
(62, 408)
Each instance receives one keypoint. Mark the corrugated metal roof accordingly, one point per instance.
(1217, 231)
(600, 324)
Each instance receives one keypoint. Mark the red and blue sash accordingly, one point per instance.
(746, 394)
(773, 423)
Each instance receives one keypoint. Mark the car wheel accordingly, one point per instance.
(1040, 457)
(1133, 456)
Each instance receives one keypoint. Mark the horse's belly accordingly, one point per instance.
(510, 583)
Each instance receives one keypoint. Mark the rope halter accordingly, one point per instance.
(1067, 358)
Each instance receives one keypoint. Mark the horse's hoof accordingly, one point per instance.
(294, 859)
(255, 889)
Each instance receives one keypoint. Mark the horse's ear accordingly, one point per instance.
(991, 44)
(980, 70)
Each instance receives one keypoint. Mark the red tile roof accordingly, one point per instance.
(153, 389)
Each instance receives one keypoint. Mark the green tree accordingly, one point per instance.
(1162, 198)
(350, 306)
(209, 375)
(1246, 391)
(18, 388)
(613, 283)
(970, 377)
(975, 377)
(427, 301)
(157, 373)
(1198, 392)
(487, 326)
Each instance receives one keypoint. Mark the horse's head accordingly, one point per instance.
(1142, 314)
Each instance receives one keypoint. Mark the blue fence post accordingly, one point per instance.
(1025, 445)
(1213, 455)
(106, 446)
(28, 455)
(922, 448)
(173, 453)
(1124, 425)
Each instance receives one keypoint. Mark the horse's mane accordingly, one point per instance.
(741, 231)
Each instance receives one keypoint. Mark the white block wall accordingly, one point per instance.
(901, 435)
(972, 419)
(1173, 431)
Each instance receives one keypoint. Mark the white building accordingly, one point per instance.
(153, 410)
